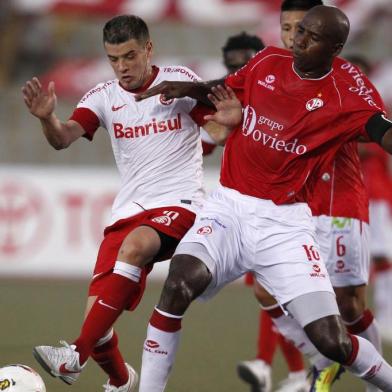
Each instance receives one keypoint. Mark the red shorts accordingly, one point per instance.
(249, 279)
(172, 221)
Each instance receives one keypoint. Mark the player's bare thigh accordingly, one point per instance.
(140, 246)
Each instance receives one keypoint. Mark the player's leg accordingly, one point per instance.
(358, 319)
(118, 285)
(301, 282)
(188, 278)
(380, 223)
(121, 288)
(257, 372)
(204, 261)
(317, 312)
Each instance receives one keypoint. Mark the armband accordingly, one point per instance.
(377, 126)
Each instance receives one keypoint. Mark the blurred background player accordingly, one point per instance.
(378, 182)
(340, 208)
(154, 207)
(237, 51)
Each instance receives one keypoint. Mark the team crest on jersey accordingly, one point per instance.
(167, 218)
(164, 101)
(313, 104)
(205, 230)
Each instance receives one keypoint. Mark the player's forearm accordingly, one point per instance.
(200, 90)
(57, 133)
(386, 141)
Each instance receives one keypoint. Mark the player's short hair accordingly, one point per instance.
(299, 5)
(243, 41)
(125, 27)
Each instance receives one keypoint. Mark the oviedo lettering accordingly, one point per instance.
(248, 129)
(360, 87)
(171, 124)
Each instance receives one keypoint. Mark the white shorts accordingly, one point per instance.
(344, 245)
(380, 228)
(241, 233)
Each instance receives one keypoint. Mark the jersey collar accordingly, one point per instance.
(323, 77)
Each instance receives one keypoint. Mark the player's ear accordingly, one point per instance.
(149, 48)
(338, 48)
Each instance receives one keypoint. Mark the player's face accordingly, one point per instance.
(313, 48)
(237, 58)
(130, 61)
(289, 21)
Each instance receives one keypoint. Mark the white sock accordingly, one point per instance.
(293, 332)
(371, 366)
(159, 352)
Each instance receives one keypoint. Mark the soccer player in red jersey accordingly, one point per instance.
(237, 51)
(377, 177)
(157, 148)
(259, 219)
(339, 204)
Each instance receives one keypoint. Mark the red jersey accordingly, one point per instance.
(339, 188)
(290, 126)
(376, 172)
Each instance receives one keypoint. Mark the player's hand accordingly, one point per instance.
(228, 107)
(40, 103)
(168, 89)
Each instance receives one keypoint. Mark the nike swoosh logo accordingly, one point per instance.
(63, 370)
(108, 306)
(115, 108)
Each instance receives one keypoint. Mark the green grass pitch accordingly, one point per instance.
(216, 335)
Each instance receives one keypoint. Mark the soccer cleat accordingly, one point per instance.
(61, 362)
(322, 380)
(128, 387)
(257, 373)
(295, 382)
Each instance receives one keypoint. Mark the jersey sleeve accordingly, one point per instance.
(358, 109)
(89, 112)
(237, 80)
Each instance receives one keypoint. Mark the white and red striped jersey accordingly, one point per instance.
(156, 143)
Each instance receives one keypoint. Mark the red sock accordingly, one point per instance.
(361, 324)
(267, 339)
(293, 357)
(117, 295)
(109, 358)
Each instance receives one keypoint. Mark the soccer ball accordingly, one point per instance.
(20, 378)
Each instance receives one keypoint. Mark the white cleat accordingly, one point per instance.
(256, 373)
(128, 387)
(295, 382)
(61, 362)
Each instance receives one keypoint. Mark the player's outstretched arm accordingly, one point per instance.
(42, 104)
(173, 89)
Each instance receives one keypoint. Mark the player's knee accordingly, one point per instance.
(351, 304)
(330, 339)
(188, 278)
(132, 252)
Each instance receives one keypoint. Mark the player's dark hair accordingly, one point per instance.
(125, 27)
(243, 41)
(299, 5)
